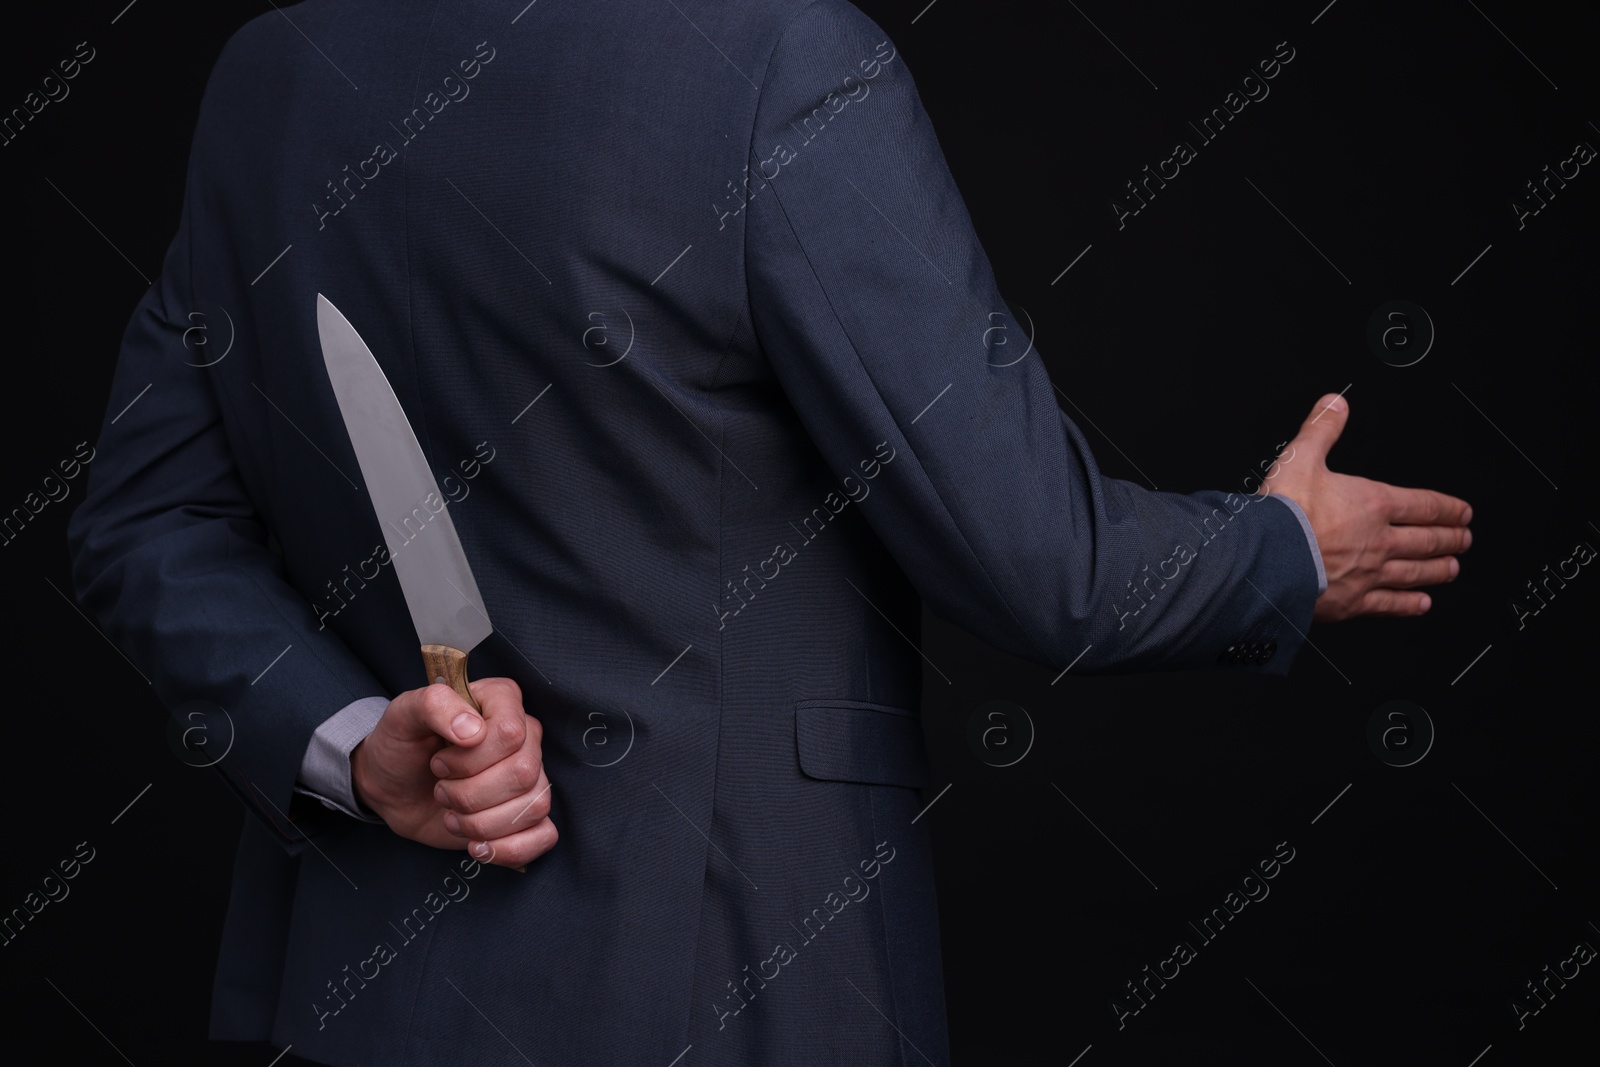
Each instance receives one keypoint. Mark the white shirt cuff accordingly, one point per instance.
(325, 770)
(1311, 539)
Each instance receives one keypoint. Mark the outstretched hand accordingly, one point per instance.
(1379, 542)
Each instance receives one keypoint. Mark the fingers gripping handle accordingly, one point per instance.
(449, 665)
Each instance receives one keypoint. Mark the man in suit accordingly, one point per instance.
(705, 464)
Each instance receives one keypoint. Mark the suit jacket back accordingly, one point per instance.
(689, 317)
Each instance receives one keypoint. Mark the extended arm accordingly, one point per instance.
(875, 301)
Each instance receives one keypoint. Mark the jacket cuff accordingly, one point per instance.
(1311, 540)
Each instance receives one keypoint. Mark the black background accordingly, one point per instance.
(1188, 343)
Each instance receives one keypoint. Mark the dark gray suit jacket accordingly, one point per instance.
(682, 299)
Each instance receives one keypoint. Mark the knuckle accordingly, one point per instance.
(535, 729)
(499, 689)
(509, 730)
(538, 809)
(525, 771)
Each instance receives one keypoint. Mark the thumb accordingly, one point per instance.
(437, 710)
(1322, 427)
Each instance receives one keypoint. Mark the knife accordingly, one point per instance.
(446, 607)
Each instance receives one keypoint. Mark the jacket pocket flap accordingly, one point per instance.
(854, 741)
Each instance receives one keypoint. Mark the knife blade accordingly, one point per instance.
(441, 594)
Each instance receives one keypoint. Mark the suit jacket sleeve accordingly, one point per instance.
(172, 558)
(871, 295)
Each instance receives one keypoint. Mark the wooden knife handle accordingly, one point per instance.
(450, 665)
